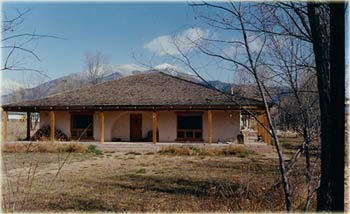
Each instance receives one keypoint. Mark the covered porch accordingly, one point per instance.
(185, 125)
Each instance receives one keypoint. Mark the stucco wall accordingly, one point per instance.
(117, 124)
(226, 125)
(167, 125)
(44, 118)
(62, 120)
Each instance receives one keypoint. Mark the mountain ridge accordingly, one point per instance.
(78, 80)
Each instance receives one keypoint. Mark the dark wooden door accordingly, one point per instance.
(135, 127)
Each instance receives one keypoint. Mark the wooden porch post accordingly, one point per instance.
(5, 125)
(102, 127)
(261, 131)
(52, 126)
(267, 137)
(210, 127)
(259, 127)
(154, 127)
(28, 126)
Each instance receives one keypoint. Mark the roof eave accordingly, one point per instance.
(126, 108)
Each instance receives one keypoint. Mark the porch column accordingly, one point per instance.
(267, 137)
(5, 125)
(52, 126)
(102, 127)
(210, 127)
(28, 126)
(261, 131)
(258, 126)
(154, 127)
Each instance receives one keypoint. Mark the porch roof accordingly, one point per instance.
(151, 91)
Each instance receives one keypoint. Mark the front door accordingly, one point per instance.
(135, 127)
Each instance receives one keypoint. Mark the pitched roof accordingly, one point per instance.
(152, 89)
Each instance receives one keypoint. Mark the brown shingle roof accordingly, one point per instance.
(151, 89)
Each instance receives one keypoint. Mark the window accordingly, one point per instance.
(82, 126)
(189, 127)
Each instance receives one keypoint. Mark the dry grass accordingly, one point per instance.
(44, 147)
(188, 179)
(197, 151)
(291, 144)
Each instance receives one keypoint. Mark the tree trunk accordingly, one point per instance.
(328, 45)
(337, 52)
(320, 34)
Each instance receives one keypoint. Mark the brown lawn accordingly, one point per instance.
(147, 181)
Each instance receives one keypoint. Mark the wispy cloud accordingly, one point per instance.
(168, 45)
(255, 45)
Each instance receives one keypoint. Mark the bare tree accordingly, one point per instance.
(18, 47)
(249, 60)
(293, 65)
(269, 64)
(322, 25)
(311, 24)
(96, 67)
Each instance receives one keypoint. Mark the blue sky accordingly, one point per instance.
(115, 29)
(118, 30)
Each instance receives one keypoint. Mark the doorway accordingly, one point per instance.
(135, 127)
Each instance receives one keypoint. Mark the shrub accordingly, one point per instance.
(15, 147)
(93, 149)
(239, 151)
(197, 151)
(50, 147)
(44, 147)
(77, 147)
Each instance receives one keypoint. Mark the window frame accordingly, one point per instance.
(194, 131)
(84, 137)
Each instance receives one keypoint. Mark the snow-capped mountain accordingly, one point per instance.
(78, 80)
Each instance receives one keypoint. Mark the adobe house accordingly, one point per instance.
(155, 104)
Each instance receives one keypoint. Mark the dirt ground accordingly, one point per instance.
(136, 178)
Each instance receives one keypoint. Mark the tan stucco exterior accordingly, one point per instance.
(62, 120)
(226, 124)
